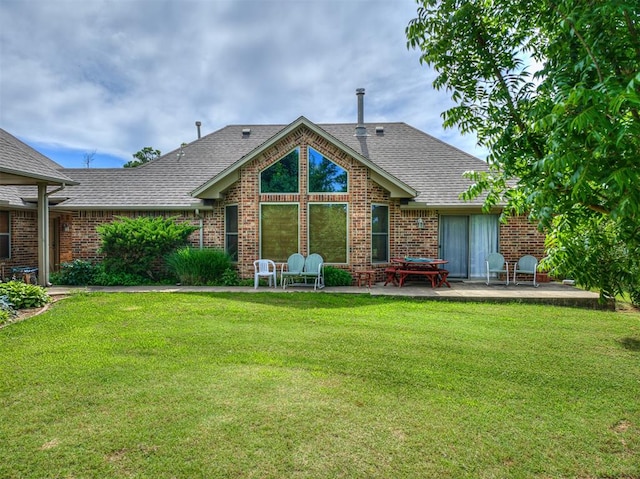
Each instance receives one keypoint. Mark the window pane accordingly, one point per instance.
(231, 219)
(379, 233)
(379, 249)
(328, 231)
(380, 219)
(232, 246)
(231, 231)
(281, 177)
(4, 222)
(4, 246)
(324, 175)
(279, 231)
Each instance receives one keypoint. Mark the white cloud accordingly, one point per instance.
(117, 75)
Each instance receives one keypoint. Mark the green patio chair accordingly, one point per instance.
(526, 265)
(496, 264)
(291, 270)
(314, 269)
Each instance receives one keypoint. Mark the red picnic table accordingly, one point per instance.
(403, 267)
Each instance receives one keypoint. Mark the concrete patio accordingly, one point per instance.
(547, 293)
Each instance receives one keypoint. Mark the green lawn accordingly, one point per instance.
(298, 385)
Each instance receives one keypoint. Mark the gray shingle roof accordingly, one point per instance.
(431, 167)
(21, 164)
(428, 165)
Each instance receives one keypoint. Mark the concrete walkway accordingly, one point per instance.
(546, 293)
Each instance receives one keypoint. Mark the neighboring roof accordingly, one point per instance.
(406, 161)
(22, 165)
(128, 189)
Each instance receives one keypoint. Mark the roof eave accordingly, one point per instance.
(9, 176)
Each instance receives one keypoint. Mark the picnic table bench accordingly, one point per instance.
(438, 277)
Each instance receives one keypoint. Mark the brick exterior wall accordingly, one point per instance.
(24, 240)
(85, 241)
(79, 239)
(519, 237)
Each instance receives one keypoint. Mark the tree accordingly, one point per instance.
(88, 157)
(143, 156)
(552, 90)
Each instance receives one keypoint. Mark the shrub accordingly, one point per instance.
(111, 278)
(337, 277)
(137, 245)
(230, 278)
(22, 295)
(7, 311)
(194, 266)
(76, 272)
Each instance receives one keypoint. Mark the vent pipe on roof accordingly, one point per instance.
(361, 130)
(198, 124)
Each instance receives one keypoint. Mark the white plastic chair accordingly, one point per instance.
(264, 268)
(496, 264)
(526, 265)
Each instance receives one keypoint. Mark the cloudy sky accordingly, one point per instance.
(114, 76)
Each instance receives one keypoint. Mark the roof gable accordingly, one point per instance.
(214, 187)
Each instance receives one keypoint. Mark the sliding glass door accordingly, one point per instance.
(465, 242)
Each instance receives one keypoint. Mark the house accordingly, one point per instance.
(358, 194)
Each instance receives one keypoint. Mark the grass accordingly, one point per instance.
(159, 385)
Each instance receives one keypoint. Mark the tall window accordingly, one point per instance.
(278, 230)
(282, 176)
(324, 175)
(379, 233)
(231, 231)
(5, 235)
(328, 231)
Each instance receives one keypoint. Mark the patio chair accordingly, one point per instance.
(314, 269)
(264, 268)
(526, 265)
(496, 264)
(291, 269)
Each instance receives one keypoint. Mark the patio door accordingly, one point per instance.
(454, 241)
(465, 242)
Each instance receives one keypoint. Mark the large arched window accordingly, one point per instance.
(282, 176)
(324, 175)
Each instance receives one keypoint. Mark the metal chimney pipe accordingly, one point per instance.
(361, 130)
(198, 124)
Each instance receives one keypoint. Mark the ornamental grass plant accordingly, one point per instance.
(198, 267)
(272, 385)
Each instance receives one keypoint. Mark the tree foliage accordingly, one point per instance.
(552, 90)
(143, 156)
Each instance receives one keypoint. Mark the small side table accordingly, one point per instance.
(366, 277)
